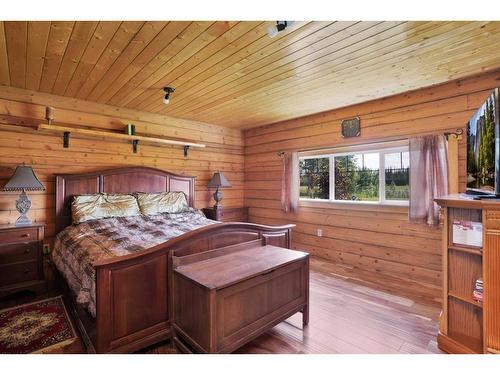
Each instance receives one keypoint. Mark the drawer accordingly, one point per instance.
(248, 306)
(227, 214)
(18, 272)
(233, 214)
(18, 252)
(18, 235)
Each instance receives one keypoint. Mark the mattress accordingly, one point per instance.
(79, 246)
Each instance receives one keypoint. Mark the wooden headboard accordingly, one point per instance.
(121, 180)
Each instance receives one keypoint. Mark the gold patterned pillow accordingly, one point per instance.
(171, 202)
(99, 206)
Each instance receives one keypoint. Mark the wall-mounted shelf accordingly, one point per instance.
(67, 131)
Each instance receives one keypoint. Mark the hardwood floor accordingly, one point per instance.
(349, 317)
(351, 311)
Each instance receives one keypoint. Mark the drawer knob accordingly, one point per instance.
(27, 251)
(25, 235)
(26, 271)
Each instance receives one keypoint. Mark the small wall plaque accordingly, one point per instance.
(351, 128)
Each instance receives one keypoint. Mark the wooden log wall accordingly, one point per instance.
(20, 110)
(359, 237)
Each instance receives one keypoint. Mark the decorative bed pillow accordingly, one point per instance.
(99, 206)
(172, 202)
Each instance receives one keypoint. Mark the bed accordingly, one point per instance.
(131, 305)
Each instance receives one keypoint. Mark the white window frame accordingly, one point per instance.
(382, 151)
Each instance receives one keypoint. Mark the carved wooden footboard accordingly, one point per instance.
(134, 294)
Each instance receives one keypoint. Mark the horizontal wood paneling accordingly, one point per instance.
(361, 237)
(21, 110)
(232, 73)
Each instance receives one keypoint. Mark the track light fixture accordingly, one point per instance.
(168, 91)
(273, 30)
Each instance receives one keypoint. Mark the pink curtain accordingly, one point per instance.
(428, 177)
(290, 182)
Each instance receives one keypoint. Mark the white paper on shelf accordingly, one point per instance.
(468, 233)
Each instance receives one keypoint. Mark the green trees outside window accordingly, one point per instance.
(315, 178)
(356, 177)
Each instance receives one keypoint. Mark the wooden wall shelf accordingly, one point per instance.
(66, 131)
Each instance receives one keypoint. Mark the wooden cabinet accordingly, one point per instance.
(223, 302)
(21, 259)
(467, 325)
(491, 267)
(239, 214)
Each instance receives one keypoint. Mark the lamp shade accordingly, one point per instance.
(24, 178)
(218, 180)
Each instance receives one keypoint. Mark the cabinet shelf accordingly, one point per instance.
(468, 250)
(465, 299)
(467, 325)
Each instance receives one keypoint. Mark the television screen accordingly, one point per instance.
(482, 147)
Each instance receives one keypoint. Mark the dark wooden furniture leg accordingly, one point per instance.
(305, 310)
(305, 316)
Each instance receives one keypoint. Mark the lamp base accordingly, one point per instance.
(23, 220)
(23, 204)
(217, 198)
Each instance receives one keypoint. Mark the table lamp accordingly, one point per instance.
(218, 181)
(23, 179)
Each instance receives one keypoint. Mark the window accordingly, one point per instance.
(371, 175)
(315, 178)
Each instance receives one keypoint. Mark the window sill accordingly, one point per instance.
(360, 206)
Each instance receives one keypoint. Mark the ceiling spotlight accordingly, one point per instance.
(168, 91)
(273, 30)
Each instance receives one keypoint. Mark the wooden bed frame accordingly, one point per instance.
(134, 297)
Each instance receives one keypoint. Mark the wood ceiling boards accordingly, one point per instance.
(232, 73)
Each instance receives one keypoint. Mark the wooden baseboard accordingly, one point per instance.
(448, 345)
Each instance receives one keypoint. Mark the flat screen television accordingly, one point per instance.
(483, 149)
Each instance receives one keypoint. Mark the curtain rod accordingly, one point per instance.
(458, 132)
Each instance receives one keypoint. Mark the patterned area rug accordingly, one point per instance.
(38, 327)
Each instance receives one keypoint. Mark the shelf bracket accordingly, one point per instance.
(135, 142)
(66, 139)
(186, 149)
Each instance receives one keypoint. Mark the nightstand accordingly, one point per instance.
(21, 258)
(227, 214)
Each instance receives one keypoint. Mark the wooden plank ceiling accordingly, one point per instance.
(232, 73)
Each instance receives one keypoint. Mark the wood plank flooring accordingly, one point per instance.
(351, 312)
(349, 317)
